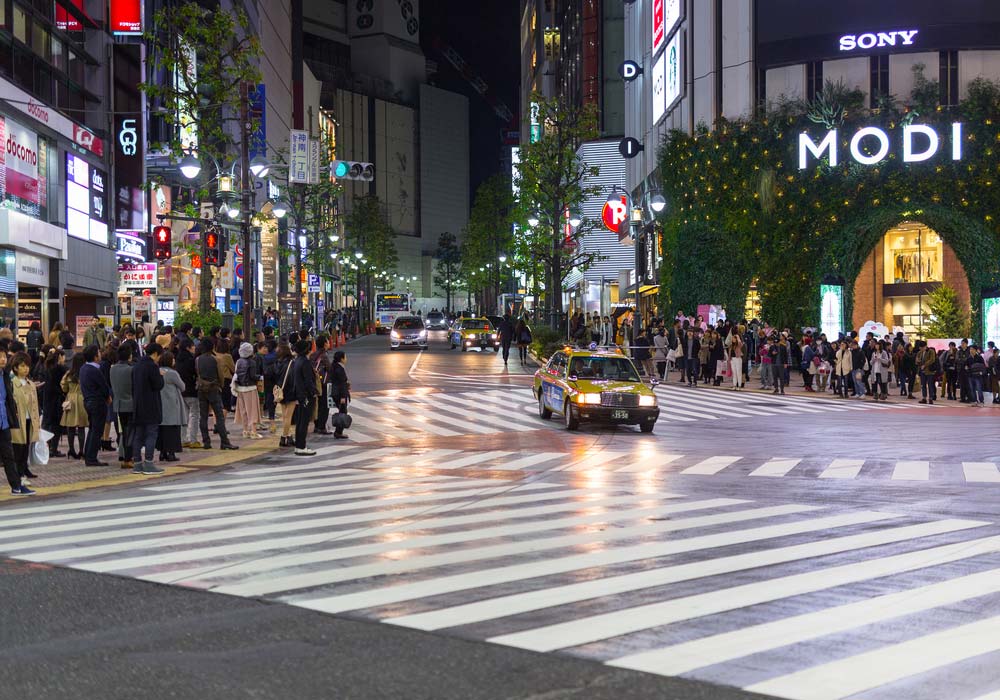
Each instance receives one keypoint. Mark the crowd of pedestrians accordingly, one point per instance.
(148, 392)
(849, 366)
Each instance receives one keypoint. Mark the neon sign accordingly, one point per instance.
(861, 143)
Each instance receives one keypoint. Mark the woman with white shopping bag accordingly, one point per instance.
(26, 399)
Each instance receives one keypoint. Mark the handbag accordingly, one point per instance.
(342, 421)
(279, 391)
(671, 355)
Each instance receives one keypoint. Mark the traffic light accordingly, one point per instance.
(162, 240)
(213, 246)
(351, 170)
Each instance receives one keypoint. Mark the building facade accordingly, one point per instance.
(724, 74)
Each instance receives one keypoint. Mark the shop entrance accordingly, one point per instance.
(909, 262)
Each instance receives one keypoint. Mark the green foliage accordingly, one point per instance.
(205, 321)
(551, 178)
(368, 231)
(926, 93)
(545, 341)
(948, 318)
(489, 234)
(449, 261)
(738, 205)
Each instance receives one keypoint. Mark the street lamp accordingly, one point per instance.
(190, 166)
(533, 220)
(279, 208)
(259, 166)
(358, 254)
(575, 220)
(502, 258)
(657, 203)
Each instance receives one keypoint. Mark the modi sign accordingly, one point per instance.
(871, 145)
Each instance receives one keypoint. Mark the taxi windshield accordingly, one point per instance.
(409, 324)
(475, 325)
(618, 369)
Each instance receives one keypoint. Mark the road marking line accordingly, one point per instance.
(434, 413)
(530, 460)
(776, 467)
(25, 542)
(980, 472)
(517, 603)
(661, 460)
(712, 465)
(911, 471)
(308, 520)
(379, 414)
(385, 595)
(641, 508)
(594, 628)
(269, 583)
(755, 639)
(856, 674)
(843, 469)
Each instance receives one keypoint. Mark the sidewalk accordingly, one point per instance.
(62, 475)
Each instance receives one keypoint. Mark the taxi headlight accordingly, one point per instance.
(588, 398)
(394, 335)
(422, 334)
(647, 400)
(494, 336)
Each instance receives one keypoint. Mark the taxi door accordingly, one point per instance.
(554, 388)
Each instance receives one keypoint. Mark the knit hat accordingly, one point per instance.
(246, 350)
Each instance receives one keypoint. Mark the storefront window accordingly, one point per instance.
(913, 254)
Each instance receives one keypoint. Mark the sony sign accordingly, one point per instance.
(920, 143)
(871, 40)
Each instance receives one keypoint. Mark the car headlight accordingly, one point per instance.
(423, 334)
(647, 400)
(588, 398)
(394, 335)
(494, 336)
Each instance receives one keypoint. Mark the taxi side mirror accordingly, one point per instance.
(571, 377)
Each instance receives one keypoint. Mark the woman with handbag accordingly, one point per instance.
(340, 394)
(74, 414)
(245, 386)
(523, 334)
(172, 408)
(26, 400)
(52, 399)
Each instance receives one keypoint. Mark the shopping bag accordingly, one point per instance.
(39, 453)
(722, 369)
(342, 421)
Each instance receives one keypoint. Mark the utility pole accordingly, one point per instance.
(246, 191)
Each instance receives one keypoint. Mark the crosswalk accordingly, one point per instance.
(644, 463)
(792, 599)
(398, 415)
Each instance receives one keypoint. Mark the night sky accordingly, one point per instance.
(486, 34)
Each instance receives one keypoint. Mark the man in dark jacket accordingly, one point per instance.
(506, 331)
(780, 362)
(340, 388)
(147, 412)
(210, 396)
(96, 398)
(9, 419)
(185, 367)
(692, 346)
(122, 403)
(321, 363)
(305, 396)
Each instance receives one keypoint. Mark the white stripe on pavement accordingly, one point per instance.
(517, 603)
(293, 516)
(530, 460)
(727, 646)
(855, 674)
(559, 565)
(981, 472)
(363, 522)
(776, 467)
(658, 460)
(843, 469)
(282, 584)
(379, 414)
(911, 471)
(712, 465)
(593, 628)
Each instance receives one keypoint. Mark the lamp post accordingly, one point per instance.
(656, 203)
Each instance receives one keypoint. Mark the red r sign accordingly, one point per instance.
(614, 213)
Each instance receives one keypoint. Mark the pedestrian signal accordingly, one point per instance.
(213, 247)
(162, 241)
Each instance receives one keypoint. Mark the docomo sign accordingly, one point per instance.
(911, 154)
(614, 213)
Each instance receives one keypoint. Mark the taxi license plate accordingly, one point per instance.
(409, 342)
(619, 415)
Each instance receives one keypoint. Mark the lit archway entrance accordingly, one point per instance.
(909, 262)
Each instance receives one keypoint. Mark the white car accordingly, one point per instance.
(407, 332)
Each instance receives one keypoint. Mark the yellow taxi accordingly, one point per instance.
(475, 333)
(600, 385)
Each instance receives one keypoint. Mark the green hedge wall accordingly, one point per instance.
(739, 207)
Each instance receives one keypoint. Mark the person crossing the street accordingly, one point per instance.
(523, 334)
(506, 332)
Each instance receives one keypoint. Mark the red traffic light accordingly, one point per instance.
(211, 240)
(162, 240)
